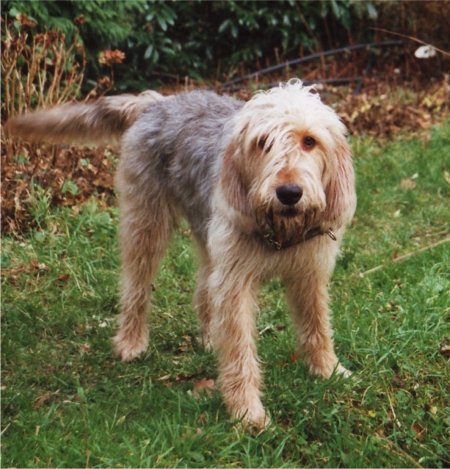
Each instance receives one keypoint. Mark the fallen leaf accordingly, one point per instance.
(418, 430)
(408, 183)
(63, 278)
(203, 385)
(85, 347)
(41, 400)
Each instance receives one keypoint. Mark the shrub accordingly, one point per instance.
(38, 69)
(216, 40)
(197, 38)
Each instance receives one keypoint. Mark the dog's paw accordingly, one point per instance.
(254, 424)
(253, 420)
(126, 349)
(326, 372)
(342, 371)
(325, 365)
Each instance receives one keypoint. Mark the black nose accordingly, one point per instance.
(289, 194)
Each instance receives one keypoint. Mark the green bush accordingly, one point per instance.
(224, 38)
(197, 39)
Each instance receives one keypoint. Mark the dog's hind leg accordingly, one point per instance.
(145, 228)
(202, 301)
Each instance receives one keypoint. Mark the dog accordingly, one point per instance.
(267, 187)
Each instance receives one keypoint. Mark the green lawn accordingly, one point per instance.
(66, 401)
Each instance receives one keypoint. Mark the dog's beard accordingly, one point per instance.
(284, 225)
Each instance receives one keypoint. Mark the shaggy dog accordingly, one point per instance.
(268, 189)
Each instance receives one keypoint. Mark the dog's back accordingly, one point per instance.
(176, 146)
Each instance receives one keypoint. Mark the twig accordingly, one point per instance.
(405, 256)
(4, 430)
(396, 420)
(412, 38)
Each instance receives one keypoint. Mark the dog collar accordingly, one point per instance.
(270, 239)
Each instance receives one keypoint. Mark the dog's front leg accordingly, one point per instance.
(308, 298)
(232, 290)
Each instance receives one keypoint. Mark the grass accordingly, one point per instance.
(67, 402)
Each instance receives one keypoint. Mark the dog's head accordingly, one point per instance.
(288, 164)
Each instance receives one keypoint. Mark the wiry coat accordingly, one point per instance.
(268, 189)
(173, 151)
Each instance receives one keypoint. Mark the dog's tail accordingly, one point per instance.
(101, 121)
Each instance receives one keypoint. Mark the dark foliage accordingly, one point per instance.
(199, 39)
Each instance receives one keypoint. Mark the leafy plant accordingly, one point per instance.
(197, 39)
(200, 39)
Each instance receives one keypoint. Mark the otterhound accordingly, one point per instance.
(268, 189)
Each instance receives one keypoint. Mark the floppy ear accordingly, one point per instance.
(232, 182)
(340, 191)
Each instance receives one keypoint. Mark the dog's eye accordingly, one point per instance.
(309, 142)
(262, 143)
